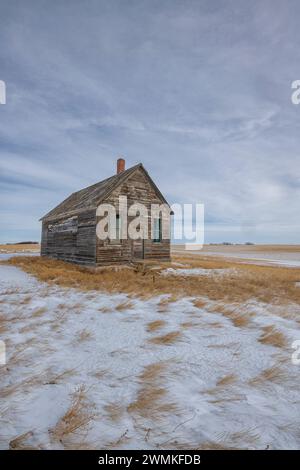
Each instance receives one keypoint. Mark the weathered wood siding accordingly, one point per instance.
(71, 241)
(74, 238)
(138, 189)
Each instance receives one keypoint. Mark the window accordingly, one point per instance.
(116, 237)
(157, 230)
(68, 225)
(118, 227)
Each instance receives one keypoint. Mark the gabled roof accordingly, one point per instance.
(92, 196)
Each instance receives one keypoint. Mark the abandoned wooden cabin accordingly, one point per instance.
(69, 230)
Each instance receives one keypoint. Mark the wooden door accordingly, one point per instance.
(137, 250)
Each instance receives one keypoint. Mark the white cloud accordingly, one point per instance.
(199, 92)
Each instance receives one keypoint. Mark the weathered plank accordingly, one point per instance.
(74, 238)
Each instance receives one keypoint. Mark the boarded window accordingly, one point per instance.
(68, 225)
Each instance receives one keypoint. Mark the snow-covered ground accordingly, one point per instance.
(5, 256)
(210, 384)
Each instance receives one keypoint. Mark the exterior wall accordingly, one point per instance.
(138, 189)
(74, 238)
(71, 240)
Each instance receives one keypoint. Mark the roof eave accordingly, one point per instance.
(48, 217)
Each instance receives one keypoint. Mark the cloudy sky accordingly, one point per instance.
(198, 91)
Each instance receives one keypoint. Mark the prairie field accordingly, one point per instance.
(20, 248)
(279, 255)
(217, 279)
(191, 354)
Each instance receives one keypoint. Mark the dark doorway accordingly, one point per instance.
(138, 249)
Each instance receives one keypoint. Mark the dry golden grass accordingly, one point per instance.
(155, 325)
(153, 371)
(188, 324)
(273, 337)
(152, 398)
(13, 319)
(168, 338)
(105, 309)
(218, 392)
(227, 380)
(126, 305)
(147, 399)
(273, 374)
(3, 318)
(20, 247)
(18, 387)
(164, 303)
(239, 316)
(114, 411)
(269, 284)
(69, 429)
(3, 329)
(215, 324)
(240, 320)
(20, 442)
(199, 303)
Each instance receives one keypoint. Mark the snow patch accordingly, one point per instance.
(196, 272)
(48, 358)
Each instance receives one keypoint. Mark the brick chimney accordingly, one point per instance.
(120, 165)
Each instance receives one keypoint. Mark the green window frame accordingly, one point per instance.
(117, 240)
(157, 232)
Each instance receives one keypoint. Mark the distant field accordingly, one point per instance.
(245, 248)
(283, 255)
(20, 248)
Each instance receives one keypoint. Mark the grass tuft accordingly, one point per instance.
(227, 380)
(273, 337)
(114, 411)
(156, 325)
(273, 374)
(126, 305)
(152, 398)
(76, 419)
(168, 338)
